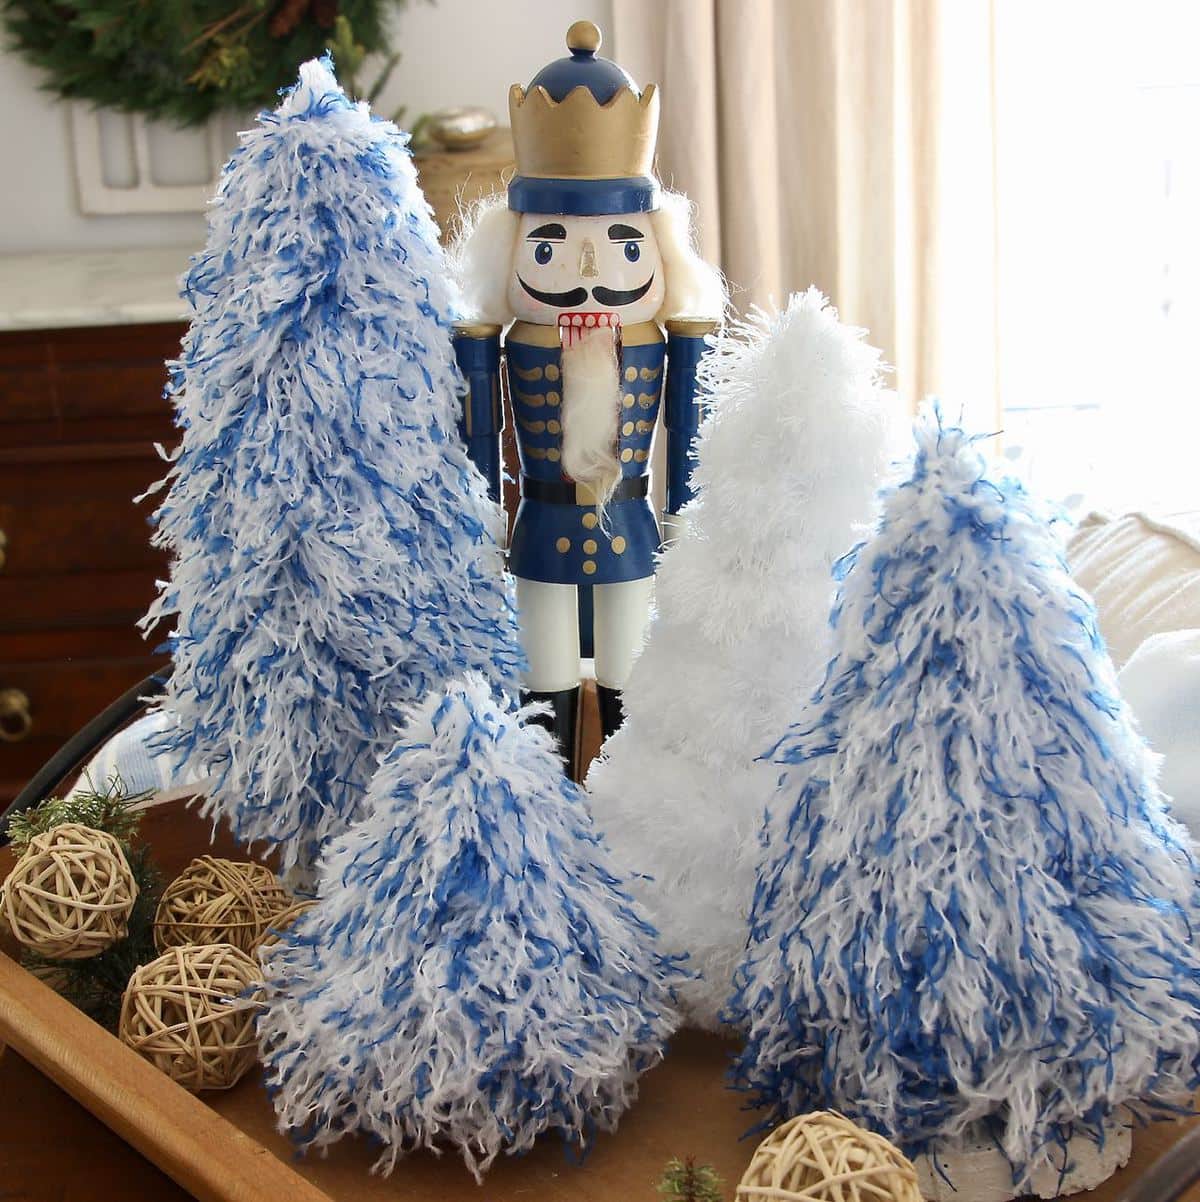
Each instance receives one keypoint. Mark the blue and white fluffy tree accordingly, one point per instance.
(335, 552)
(972, 905)
(473, 973)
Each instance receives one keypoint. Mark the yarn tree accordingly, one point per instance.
(473, 973)
(335, 555)
(787, 463)
(972, 905)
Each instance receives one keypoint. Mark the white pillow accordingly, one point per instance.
(1161, 683)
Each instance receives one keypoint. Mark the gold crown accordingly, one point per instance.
(578, 137)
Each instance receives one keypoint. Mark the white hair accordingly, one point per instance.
(694, 288)
(481, 259)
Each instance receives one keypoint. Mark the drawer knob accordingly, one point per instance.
(16, 720)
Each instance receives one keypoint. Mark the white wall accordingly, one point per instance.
(457, 52)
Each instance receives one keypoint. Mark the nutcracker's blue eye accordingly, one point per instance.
(543, 253)
(633, 251)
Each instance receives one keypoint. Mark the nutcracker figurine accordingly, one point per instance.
(586, 259)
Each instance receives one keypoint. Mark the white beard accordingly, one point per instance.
(591, 410)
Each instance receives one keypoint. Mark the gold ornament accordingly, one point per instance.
(824, 1157)
(70, 894)
(219, 901)
(191, 1014)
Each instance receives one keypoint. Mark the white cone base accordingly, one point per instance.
(978, 1171)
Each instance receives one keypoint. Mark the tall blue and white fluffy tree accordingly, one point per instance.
(335, 552)
(473, 974)
(972, 904)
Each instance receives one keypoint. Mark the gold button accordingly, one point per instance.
(552, 398)
(626, 455)
(589, 567)
(589, 546)
(618, 544)
(627, 428)
(551, 371)
(631, 373)
(628, 402)
(552, 454)
(590, 521)
(641, 456)
(563, 545)
(552, 427)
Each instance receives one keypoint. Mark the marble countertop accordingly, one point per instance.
(92, 288)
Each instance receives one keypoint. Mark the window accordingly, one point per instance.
(1097, 174)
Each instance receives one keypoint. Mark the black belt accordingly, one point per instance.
(563, 492)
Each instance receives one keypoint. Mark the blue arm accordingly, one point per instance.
(685, 345)
(477, 348)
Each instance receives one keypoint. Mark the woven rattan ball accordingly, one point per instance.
(824, 1157)
(219, 901)
(187, 1014)
(280, 922)
(71, 893)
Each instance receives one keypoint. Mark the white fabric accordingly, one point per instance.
(1144, 575)
(815, 143)
(1161, 684)
(129, 759)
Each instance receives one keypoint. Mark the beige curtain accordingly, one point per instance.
(820, 146)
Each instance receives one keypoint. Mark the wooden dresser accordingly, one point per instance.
(83, 340)
(80, 412)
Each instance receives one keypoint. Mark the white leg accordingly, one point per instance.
(549, 616)
(622, 612)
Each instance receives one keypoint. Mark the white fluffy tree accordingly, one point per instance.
(474, 973)
(787, 464)
(335, 555)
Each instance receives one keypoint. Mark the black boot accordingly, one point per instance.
(612, 711)
(562, 722)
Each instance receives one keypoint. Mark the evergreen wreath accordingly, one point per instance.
(183, 60)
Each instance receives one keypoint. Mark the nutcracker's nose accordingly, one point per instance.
(587, 260)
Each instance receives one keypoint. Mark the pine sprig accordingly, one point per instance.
(687, 1181)
(109, 809)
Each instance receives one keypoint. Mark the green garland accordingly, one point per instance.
(183, 60)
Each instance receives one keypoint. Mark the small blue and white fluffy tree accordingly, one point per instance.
(335, 555)
(972, 905)
(473, 973)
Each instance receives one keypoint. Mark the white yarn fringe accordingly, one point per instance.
(789, 458)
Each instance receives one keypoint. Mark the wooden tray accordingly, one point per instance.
(222, 1147)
